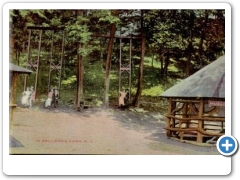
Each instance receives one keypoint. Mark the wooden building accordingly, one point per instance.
(196, 105)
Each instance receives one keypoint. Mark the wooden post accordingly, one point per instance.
(173, 112)
(62, 58)
(200, 122)
(125, 67)
(130, 68)
(38, 60)
(50, 63)
(28, 57)
(168, 122)
(120, 65)
(12, 98)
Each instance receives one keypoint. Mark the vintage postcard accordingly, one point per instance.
(110, 80)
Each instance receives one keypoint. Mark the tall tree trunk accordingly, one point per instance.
(108, 62)
(165, 69)
(202, 38)
(80, 72)
(136, 101)
(11, 48)
(190, 46)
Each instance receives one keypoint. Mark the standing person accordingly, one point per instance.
(48, 102)
(56, 97)
(122, 97)
(25, 97)
(32, 96)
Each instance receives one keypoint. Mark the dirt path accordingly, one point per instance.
(94, 131)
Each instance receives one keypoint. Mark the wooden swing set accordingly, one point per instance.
(35, 36)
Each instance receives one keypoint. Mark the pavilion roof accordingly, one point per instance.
(18, 69)
(207, 82)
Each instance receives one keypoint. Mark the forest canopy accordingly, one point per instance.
(167, 45)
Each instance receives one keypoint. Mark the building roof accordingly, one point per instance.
(207, 82)
(18, 69)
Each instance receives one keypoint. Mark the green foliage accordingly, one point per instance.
(69, 80)
(110, 19)
(93, 79)
(99, 103)
(168, 34)
(105, 16)
(40, 13)
(55, 22)
(148, 62)
(153, 91)
(168, 45)
(23, 13)
(172, 67)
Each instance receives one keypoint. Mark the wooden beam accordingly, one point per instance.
(197, 118)
(116, 36)
(200, 123)
(186, 130)
(168, 122)
(13, 88)
(45, 28)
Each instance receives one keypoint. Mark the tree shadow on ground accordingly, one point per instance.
(145, 122)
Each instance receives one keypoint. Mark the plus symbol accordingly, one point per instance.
(227, 145)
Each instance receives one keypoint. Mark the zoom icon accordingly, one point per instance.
(227, 145)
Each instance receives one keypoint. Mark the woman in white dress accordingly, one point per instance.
(26, 96)
(48, 102)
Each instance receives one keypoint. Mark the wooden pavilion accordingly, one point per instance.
(14, 71)
(196, 105)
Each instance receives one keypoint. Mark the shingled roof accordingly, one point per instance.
(207, 82)
(18, 69)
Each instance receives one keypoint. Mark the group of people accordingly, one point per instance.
(28, 96)
(52, 99)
